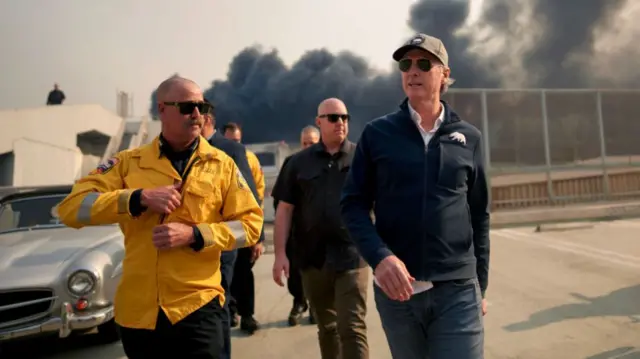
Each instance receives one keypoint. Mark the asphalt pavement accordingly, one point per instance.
(566, 292)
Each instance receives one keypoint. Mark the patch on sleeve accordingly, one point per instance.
(242, 183)
(105, 167)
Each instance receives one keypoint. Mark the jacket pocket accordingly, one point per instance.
(454, 165)
(202, 201)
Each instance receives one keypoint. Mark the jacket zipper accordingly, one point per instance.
(429, 146)
(163, 217)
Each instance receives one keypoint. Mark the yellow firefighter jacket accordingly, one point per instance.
(256, 172)
(215, 198)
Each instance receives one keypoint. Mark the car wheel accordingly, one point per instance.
(108, 332)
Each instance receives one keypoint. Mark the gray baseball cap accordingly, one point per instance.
(424, 42)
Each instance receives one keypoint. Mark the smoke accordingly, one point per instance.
(507, 43)
(274, 102)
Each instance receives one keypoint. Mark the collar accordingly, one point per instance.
(150, 153)
(217, 134)
(321, 148)
(415, 116)
(213, 134)
(166, 150)
(150, 156)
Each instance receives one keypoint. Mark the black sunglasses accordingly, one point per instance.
(334, 117)
(423, 64)
(187, 107)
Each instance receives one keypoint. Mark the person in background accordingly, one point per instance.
(180, 203)
(237, 152)
(243, 289)
(233, 132)
(334, 276)
(56, 96)
(421, 169)
(309, 136)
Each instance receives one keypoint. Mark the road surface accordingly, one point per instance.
(562, 293)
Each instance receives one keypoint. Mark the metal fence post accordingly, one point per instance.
(485, 139)
(547, 145)
(603, 146)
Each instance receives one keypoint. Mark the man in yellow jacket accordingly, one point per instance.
(180, 203)
(233, 132)
(256, 171)
(242, 302)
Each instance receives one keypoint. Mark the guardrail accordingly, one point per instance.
(566, 191)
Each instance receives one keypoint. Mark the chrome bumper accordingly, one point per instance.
(67, 322)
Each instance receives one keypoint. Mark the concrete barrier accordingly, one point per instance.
(526, 191)
(542, 217)
(563, 214)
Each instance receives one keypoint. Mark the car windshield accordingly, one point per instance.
(30, 212)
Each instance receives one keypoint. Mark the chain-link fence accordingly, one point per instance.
(556, 145)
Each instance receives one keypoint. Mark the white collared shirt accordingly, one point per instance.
(426, 135)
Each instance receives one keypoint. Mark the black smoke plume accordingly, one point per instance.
(513, 43)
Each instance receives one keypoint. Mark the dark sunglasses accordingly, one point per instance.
(187, 107)
(423, 64)
(334, 117)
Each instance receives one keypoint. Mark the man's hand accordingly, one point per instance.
(484, 307)
(256, 251)
(163, 200)
(394, 279)
(280, 265)
(172, 235)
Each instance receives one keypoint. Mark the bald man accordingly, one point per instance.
(334, 276)
(309, 136)
(180, 203)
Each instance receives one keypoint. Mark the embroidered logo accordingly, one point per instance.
(241, 182)
(457, 136)
(417, 40)
(105, 167)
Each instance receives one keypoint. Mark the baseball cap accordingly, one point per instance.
(424, 42)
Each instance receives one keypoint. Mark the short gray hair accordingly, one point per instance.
(445, 86)
(310, 129)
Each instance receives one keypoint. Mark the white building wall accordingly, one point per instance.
(38, 163)
(39, 146)
(56, 125)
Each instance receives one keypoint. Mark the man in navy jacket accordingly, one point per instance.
(421, 170)
(238, 153)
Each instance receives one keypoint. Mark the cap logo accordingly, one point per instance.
(417, 40)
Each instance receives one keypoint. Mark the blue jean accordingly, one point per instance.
(442, 323)
(227, 262)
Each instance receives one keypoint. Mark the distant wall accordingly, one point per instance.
(45, 145)
(37, 163)
(56, 125)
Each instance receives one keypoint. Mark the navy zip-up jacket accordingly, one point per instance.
(431, 206)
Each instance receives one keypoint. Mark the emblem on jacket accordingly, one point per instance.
(105, 167)
(457, 136)
(242, 183)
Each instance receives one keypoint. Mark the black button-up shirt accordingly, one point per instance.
(312, 181)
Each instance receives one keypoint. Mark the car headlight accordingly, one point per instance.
(81, 283)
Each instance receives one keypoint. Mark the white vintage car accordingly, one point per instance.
(54, 280)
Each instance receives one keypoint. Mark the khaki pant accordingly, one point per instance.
(339, 304)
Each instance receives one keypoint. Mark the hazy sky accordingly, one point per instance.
(93, 48)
